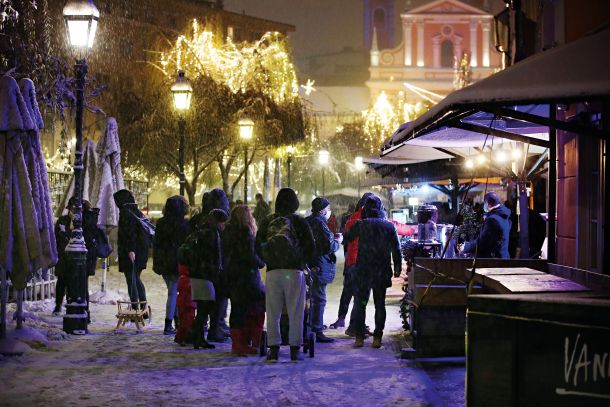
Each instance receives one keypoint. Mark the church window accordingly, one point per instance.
(447, 54)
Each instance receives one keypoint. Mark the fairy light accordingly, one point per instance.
(237, 66)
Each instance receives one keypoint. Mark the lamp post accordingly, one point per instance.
(323, 159)
(81, 17)
(359, 164)
(246, 130)
(182, 92)
(290, 152)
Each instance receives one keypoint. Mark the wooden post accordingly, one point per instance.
(552, 185)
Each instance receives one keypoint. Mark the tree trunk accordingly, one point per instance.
(277, 177)
(266, 180)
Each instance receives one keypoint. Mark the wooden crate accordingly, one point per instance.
(538, 350)
(439, 322)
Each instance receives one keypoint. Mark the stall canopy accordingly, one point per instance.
(522, 103)
(515, 104)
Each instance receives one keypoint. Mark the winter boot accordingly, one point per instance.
(274, 353)
(168, 330)
(251, 336)
(359, 342)
(238, 342)
(340, 323)
(377, 341)
(321, 338)
(216, 334)
(295, 355)
(198, 340)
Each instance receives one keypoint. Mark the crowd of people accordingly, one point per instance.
(216, 257)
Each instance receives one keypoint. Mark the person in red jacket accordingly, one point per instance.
(351, 256)
(186, 307)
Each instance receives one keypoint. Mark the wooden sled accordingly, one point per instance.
(127, 313)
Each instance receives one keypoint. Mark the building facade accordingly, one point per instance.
(433, 37)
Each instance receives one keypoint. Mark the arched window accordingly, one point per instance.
(379, 19)
(447, 54)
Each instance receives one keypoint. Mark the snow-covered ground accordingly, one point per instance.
(107, 369)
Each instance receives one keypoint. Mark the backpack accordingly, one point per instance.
(282, 247)
(101, 244)
(146, 229)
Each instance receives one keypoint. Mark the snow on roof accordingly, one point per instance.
(577, 70)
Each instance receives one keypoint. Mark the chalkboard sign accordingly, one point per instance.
(551, 351)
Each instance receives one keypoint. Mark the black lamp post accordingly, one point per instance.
(182, 92)
(290, 152)
(246, 131)
(323, 159)
(81, 17)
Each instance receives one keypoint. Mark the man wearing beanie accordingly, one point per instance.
(323, 266)
(286, 243)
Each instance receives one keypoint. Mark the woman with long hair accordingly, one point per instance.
(246, 289)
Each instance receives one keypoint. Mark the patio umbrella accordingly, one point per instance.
(109, 176)
(39, 178)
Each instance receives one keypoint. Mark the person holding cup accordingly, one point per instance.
(324, 262)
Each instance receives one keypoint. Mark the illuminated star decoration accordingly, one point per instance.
(309, 87)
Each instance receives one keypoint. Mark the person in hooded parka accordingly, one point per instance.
(172, 229)
(377, 242)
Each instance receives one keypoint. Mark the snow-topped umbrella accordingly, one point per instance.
(109, 176)
(20, 244)
(39, 178)
(109, 179)
(89, 178)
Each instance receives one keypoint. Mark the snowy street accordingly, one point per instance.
(107, 369)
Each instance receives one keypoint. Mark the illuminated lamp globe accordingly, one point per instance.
(481, 159)
(323, 157)
(501, 156)
(246, 128)
(81, 17)
(182, 92)
(469, 163)
(358, 163)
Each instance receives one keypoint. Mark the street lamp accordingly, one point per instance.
(323, 159)
(246, 131)
(359, 164)
(290, 152)
(81, 17)
(182, 92)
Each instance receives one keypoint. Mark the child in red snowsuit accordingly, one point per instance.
(186, 307)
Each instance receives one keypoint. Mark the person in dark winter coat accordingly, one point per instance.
(132, 247)
(351, 255)
(202, 252)
(287, 245)
(262, 210)
(494, 235)
(323, 266)
(246, 289)
(63, 233)
(377, 242)
(218, 332)
(90, 217)
(172, 229)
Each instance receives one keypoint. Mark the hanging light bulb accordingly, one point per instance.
(469, 164)
(481, 159)
(501, 156)
(516, 153)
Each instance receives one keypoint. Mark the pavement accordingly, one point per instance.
(108, 369)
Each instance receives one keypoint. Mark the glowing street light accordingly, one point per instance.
(81, 17)
(246, 131)
(181, 92)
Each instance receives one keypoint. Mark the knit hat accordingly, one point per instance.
(319, 204)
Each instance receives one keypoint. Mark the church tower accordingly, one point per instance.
(381, 16)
